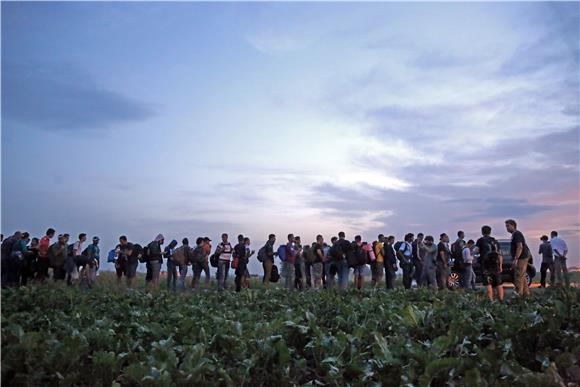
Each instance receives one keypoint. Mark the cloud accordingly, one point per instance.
(63, 98)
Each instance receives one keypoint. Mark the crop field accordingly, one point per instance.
(54, 335)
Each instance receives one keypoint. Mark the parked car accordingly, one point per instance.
(507, 273)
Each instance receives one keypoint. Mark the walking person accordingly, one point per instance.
(239, 262)
(122, 253)
(547, 254)
(75, 260)
(181, 257)
(43, 259)
(288, 266)
(405, 255)
(93, 257)
(19, 259)
(30, 262)
(332, 257)
(267, 257)
(521, 255)
(468, 274)
(300, 264)
(57, 258)
(560, 250)
(417, 259)
(155, 258)
(360, 254)
(491, 262)
(390, 261)
(317, 265)
(344, 249)
(378, 265)
(224, 250)
(171, 266)
(428, 253)
(443, 255)
(198, 260)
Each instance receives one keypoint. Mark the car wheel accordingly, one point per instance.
(453, 281)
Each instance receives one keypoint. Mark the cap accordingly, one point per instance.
(95, 238)
(207, 239)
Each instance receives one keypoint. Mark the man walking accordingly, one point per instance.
(289, 265)
(547, 254)
(390, 260)
(405, 255)
(268, 259)
(225, 250)
(344, 249)
(443, 254)
(560, 256)
(467, 275)
(43, 259)
(521, 255)
(491, 262)
(417, 259)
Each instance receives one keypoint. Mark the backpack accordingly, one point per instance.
(262, 254)
(356, 256)
(456, 251)
(398, 246)
(196, 257)
(310, 254)
(275, 275)
(111, 256)
(85, 252)
(144, 255)
(491, 262)
(179, 255)
(136, 253)
(334, 253)
(488, 245)
(282, 253)
(214, 260)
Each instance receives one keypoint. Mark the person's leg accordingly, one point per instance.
(418, 272)
(441, 277)
(220, 274)
(343, 270)
(170, 273)
(468, 271)
(407, 276)
(543, 269)
(207, 274)
(267, 265)
(489, 289)
(565, 272)
(289, 275)
(155, 273)
(551, 268)
(226, 274)
(520, 279)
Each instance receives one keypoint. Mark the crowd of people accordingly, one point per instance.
(317, 265)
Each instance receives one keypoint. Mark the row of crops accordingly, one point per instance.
(62, 336)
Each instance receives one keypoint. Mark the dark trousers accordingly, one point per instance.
(58, 273)
(407, 274)
(42, 268)
(543, 271)
(390, 276)
(308, 279)
(417, 274)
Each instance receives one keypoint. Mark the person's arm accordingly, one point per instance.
(400, 254)
(500, 263)
(320, 254)
(519, 250)
(443, 258)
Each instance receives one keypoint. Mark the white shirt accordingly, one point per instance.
(467, 256)
(77, 248)
(406, 250)
(558, 246)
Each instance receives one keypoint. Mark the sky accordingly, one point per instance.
(193, 119)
